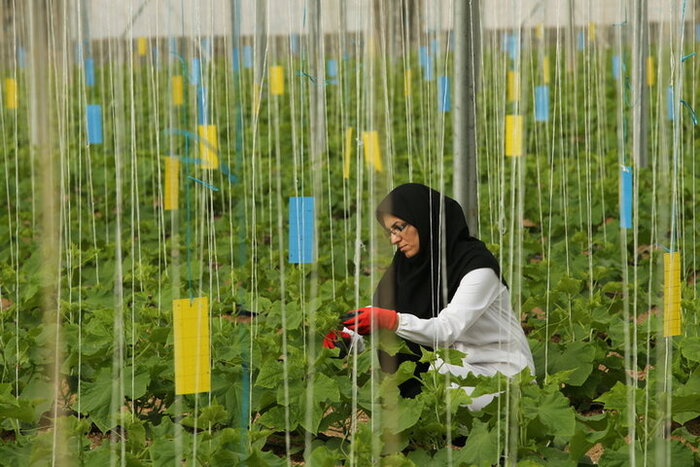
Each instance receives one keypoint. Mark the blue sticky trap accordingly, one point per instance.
(21, 56)
(248, 56)
(542, 103)
(332, 67)
(236, 60)
(428, 70)
(78, 53)
(670, 110)
(301, 229)
(513, 47)
(510, 46)
(203, 183)
(616, 67)
(504, 42)
(443, 88)
(423, 56)
(206, 47)
(581, 42)
(89, 72)
(435, 46)
(172, 45)
(202, 107)
(691, 111)
(155, 55)
(226, 171)
(690, 55)
(626, 197)
(697, 33)
(94, 124)
(294, 43)
(665, 248)
(195, 71)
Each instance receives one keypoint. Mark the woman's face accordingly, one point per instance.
(402, 235)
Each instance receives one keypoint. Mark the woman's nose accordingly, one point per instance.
(395, 239)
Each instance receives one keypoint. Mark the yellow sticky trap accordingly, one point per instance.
(651, 71)
(514, 135)
(371, 46)
(407, 82)
(373, 155)
(172, 172)
(192, 353)
(141, 46)
(545, 70)
(672, 294)
(276, 80)
(208, 146)
(347, 152)
(591, 32)
(178, 90)
(256, 98)
(11, 98)
(513, 88)
(539, 31)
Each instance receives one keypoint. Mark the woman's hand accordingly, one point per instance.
(365, 320)
(332, 338)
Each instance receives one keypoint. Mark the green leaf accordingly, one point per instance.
(324, 457)
(451, 356)
(101, 455)
(530, 463)
(482, 446)
(316, 412)
(569, 285)
(613, 287)
(140, 383)
(395, 460)
(264, 459)
(690, 348)
(213, 415)
(686, 404)
(684, 417)
(556, 414)
(159, 335)
(325, 389)
(410, 411)
(420, 457)
(389, 342)
(96, 399)
(619, 396)
(560, 377)
(576, 356)
(14, 408)
(427, 356)
(691, 387)
(273, 418)
(293, 315)
(136, 434)
(270, 374)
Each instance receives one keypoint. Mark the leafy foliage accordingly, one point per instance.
(116, 395)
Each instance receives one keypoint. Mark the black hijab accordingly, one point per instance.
(415, 285)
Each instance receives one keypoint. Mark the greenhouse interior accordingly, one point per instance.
(349, 232)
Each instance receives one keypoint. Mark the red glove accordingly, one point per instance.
(368, 318)
(332, 337)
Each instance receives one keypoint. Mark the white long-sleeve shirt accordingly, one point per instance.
(479, 322)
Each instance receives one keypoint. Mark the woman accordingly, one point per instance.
(433, 298)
